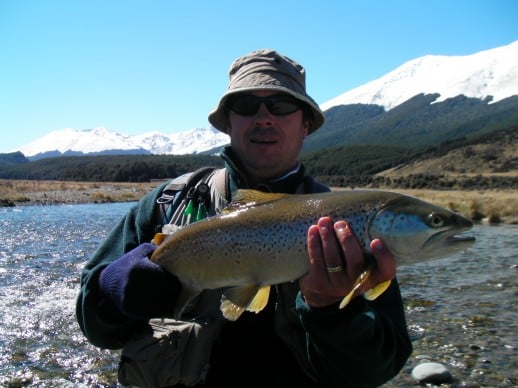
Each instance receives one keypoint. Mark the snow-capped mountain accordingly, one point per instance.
(102, 140)
(189, 142)
(85, 141)
(486, 73)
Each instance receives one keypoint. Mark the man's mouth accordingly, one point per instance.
(263, 141)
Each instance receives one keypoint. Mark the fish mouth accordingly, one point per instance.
(450, 239)
(460, 239)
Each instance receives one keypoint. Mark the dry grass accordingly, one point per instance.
(20, 192)
(491, 205)
(487, 205)
(480, 205)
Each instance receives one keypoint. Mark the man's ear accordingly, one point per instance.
(228, 128)
(306, 124)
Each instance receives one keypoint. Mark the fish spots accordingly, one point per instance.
(383, 222)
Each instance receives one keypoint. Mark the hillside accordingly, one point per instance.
(483, 162)
(417, 123)
(494, 154)
(486, 161)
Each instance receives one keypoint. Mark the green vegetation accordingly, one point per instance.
(419, 122)
(487, 161)
(114, 168)
(358, 160)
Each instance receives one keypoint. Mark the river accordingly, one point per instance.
(460, 310)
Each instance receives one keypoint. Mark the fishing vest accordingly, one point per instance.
(178, 351)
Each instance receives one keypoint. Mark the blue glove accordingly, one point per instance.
(138, 287)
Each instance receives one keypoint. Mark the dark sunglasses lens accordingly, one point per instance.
(246, 105)
(282, 106)
(277, 105)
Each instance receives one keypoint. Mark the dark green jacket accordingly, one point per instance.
(287, 344)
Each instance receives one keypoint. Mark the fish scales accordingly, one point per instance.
(272, 232)
(260, 240)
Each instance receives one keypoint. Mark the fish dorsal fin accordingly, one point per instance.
(256, 196)
(245, 198)
(236, 300)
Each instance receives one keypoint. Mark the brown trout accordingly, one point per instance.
(259, 240)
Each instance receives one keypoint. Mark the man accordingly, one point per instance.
(301, 338)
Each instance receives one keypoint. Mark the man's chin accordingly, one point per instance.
(265, 172)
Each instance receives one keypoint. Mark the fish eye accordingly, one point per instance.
(435, 220)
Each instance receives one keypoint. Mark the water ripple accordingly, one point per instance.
(460, 310)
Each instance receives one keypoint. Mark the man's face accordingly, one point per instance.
(266, 144)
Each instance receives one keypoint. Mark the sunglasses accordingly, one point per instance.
(278, 104)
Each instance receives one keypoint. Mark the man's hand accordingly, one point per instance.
(336, 261)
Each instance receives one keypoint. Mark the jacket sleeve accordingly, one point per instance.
(101, 323)
(364, 345)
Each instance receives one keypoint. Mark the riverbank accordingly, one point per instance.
(495, 205)
(35, 192)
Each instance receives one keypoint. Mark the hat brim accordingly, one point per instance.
(217, 118)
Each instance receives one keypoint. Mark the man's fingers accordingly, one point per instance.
(334, 265)
(351, 250)
(385, 268)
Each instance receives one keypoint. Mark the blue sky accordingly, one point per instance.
(138, 66)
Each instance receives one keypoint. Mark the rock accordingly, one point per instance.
(5, 202)
(431, 372)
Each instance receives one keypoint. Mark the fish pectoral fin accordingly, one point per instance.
(236, 300)
(373, 293)
(364, 276)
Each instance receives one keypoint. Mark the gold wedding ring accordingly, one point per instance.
(338, 268)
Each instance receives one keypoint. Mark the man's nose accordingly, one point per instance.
(263, 115)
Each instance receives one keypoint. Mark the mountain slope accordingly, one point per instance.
(417, 123)
(487, 73)
(422, 103)
(492, 154)
(101, 141)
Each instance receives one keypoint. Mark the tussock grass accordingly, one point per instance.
(495, 205)
(27, 192)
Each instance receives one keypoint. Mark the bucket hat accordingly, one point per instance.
(266, 70)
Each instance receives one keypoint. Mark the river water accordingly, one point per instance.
(461, 311)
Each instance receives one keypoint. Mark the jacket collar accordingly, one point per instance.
(288, 183)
